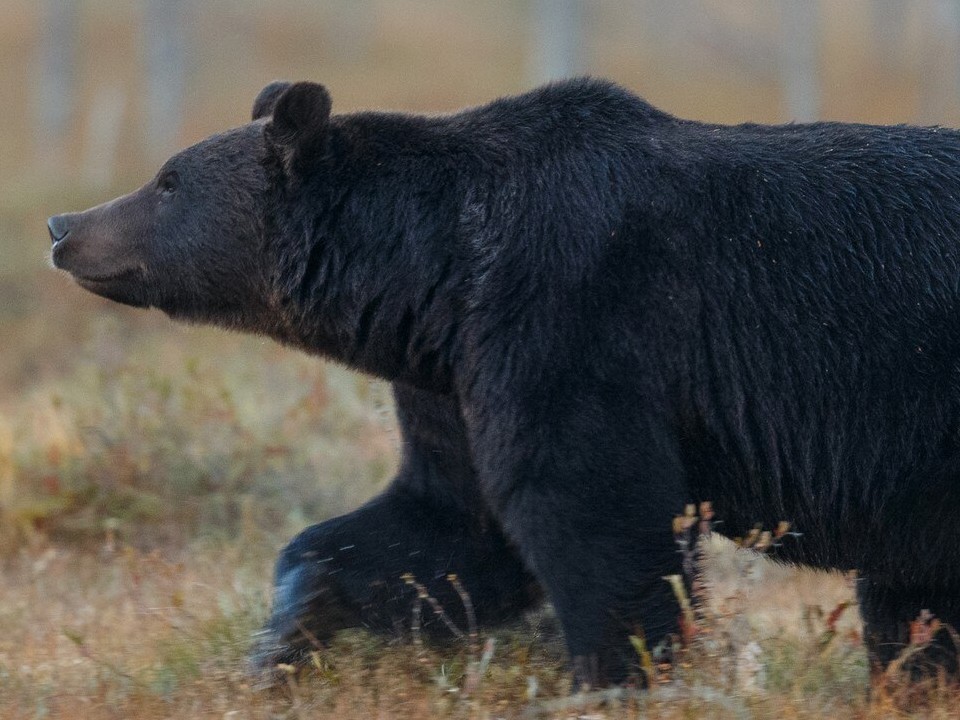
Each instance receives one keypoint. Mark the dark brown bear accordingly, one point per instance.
(593, 314)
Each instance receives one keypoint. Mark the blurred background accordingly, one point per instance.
(150, 471)
(112, 418)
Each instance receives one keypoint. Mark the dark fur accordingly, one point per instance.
(627, 312)
(429, 523)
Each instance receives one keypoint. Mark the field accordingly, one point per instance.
(149, 473)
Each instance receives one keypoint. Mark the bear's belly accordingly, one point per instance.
(867, 511)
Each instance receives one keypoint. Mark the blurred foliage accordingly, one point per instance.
(157, 449)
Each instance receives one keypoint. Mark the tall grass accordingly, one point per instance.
(127, 633)
(160, 441)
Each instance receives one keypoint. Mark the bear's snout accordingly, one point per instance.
(92, 245)
(59, 227)
(70, 249)
(95, 246)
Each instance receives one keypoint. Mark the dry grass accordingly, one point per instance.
(155, 436)
(117, 632)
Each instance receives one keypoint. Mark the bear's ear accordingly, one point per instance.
(267, 99)
(300, 126)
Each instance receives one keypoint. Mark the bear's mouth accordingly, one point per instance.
(118, 286)
(106, 278)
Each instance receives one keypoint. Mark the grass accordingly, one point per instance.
(120, 632)
(167, 441)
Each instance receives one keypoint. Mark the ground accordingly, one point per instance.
(124, 633)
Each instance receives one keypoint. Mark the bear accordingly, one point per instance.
(429, 527)
(593, 313)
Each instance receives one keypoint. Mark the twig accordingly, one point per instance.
(85, 651)
(470, 613)
(670, 693)
(438, 611)
(311, 638)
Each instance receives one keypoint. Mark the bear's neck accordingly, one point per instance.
(375, 283)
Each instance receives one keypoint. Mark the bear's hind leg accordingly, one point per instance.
(889, 609)
(600, 542)
(358, 570)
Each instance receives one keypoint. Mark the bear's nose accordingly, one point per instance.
(59, 227)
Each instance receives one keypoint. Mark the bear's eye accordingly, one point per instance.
(169, 182)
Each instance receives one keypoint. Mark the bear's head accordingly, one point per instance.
(193, 241)
(330, 233)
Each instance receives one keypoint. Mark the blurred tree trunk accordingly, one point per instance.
(889, 23)
(799, 59)
(938, 61)
(166, 31)
(557, 28)
(101, 138)
(354, 24)
(56, 91)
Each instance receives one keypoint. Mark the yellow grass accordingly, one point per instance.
(116, 632)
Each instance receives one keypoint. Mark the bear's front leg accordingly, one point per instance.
(591, 513)
(355, 570)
